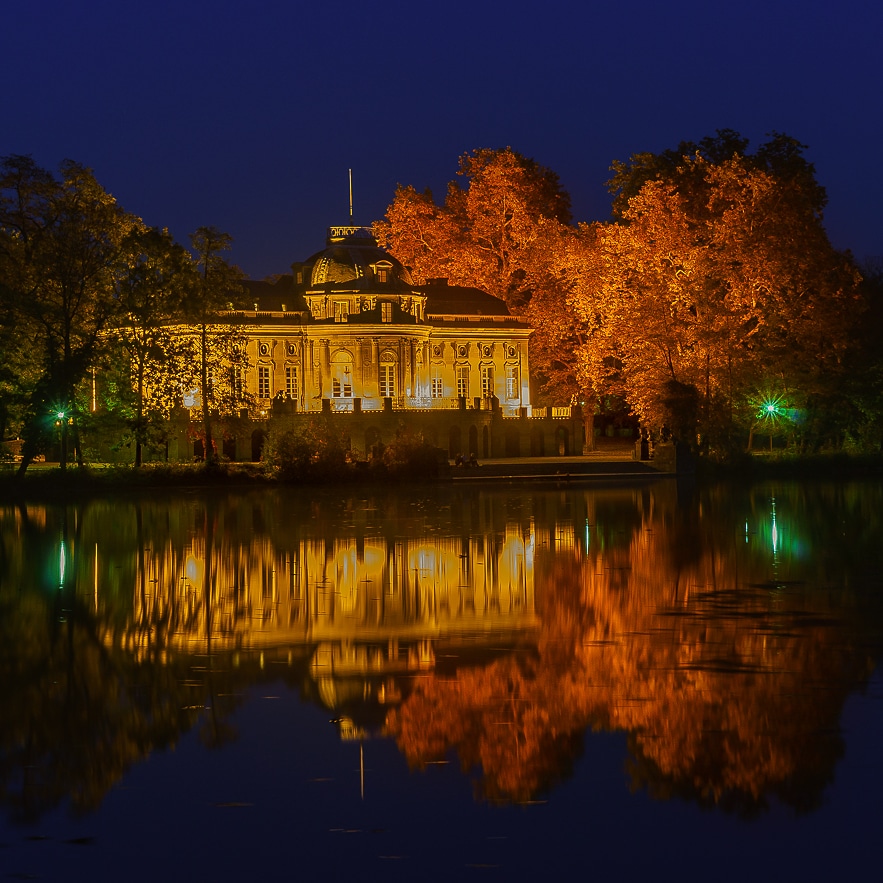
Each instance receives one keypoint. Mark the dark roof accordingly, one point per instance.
(457, 300)
(271, 295)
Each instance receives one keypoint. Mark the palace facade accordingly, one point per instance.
(349, 333)
(349, 325)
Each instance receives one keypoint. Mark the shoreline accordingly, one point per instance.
(47, 480)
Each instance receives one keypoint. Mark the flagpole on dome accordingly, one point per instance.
(351, 195)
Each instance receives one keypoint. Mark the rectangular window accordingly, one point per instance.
(463, 381)
(386, 312)
(387, 381)
(291, 389)
(487, 380)
(341, 310)
(382, 274)
(263, 382)
(437, 386)
(512, 384)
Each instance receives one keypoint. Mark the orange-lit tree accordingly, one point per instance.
(719, 278)
(487, 234)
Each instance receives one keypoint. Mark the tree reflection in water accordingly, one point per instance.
(722, 630)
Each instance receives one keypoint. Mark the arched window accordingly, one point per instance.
(387, 378)
(342, 375)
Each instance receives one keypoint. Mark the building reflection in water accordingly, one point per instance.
(722, 631)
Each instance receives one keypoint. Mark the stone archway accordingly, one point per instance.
(455, 445)
(258, 439)
(473, 440)
(513, 442)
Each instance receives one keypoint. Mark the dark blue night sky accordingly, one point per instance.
(247, 116)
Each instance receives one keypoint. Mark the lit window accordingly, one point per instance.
(291, 381)
(263, 382)
(382, 274)
(341, 385)
(512, 384)
(387, 381)
(386, 312)
(463, 381)
(341, 310)
(437, 386)
(487, 380)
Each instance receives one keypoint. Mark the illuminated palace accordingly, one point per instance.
(349, 333)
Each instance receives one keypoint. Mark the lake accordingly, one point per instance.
(649, 680)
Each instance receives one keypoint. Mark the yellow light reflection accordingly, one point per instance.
(193, 570)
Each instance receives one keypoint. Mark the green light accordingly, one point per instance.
(770, 409)
(61, 415)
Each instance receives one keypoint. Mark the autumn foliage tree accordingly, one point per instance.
(714, 287)
(718, 281)
(486, 234)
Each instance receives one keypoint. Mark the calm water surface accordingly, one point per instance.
(645, 681)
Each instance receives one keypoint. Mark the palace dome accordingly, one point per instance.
(353, 258)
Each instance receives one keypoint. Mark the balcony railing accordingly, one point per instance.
(344, 405)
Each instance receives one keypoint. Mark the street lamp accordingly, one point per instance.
(61, 420)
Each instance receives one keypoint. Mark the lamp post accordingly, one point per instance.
(61, 422)
(771, 410)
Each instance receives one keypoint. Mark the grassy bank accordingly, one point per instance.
(44, 482)
(826, 465)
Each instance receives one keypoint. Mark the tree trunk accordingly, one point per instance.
(62, 460)
(589, 424)
(139, 425)
(207, 446)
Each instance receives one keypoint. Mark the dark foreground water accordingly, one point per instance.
(646, 682)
